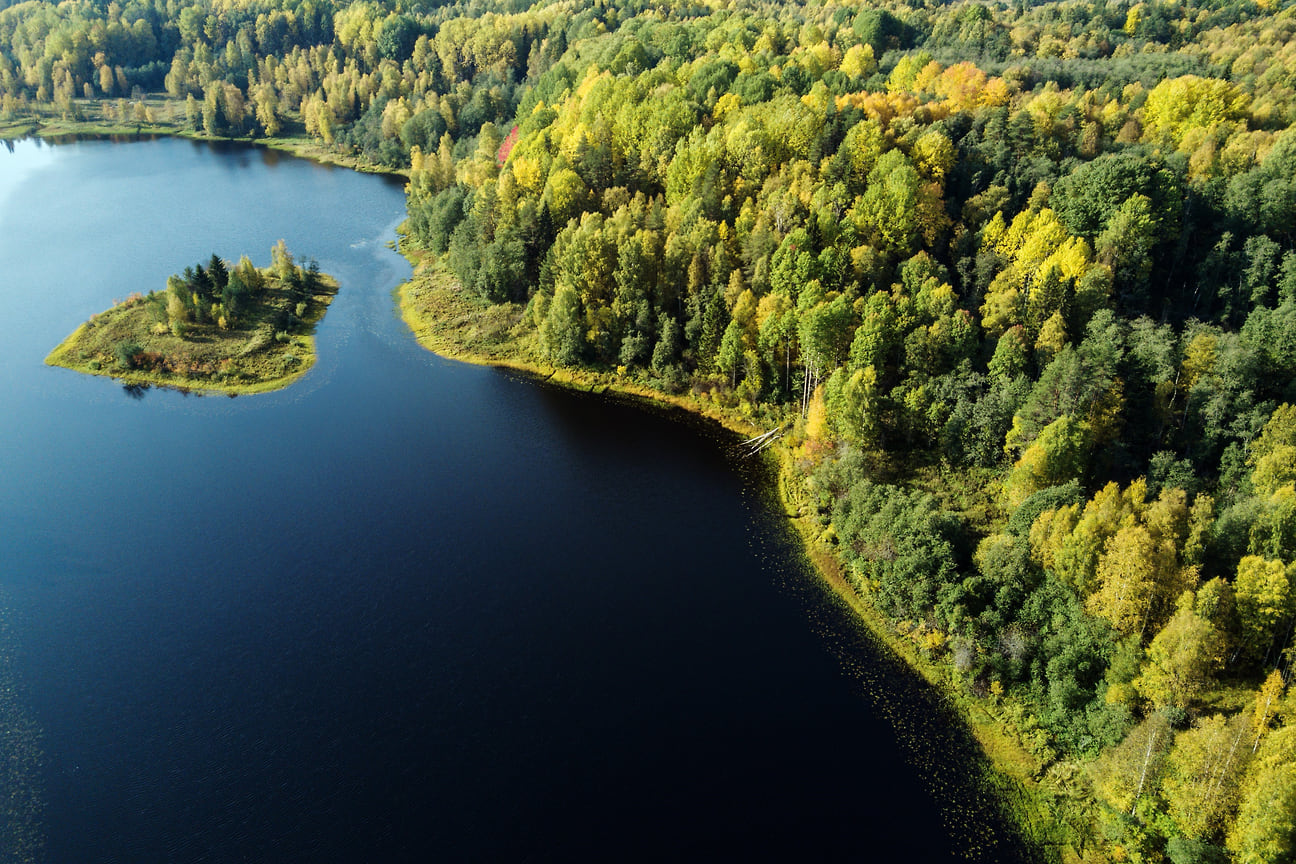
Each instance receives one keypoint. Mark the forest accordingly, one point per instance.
(1018, 277)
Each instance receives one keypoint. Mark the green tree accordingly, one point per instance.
(1126, 244)
(1057, 456)
(561, 332)
(824, 331)
(730, 356)
(887, 213)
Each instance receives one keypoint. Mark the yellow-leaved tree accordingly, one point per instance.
(1265, 829)
(1265, 600)
(1126, 580)
(1181, 660)
(1131, 770)
(1057, 455)
(1177, 105)
(1273, 453)
(1203, 773)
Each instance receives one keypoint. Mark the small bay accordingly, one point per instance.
(405, 609)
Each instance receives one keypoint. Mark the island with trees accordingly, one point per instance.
(216, 328)
(1014, 282)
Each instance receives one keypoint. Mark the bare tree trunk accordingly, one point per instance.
(1147, 758)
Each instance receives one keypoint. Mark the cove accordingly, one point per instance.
(407, 609)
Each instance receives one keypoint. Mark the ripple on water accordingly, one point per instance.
(22, 800)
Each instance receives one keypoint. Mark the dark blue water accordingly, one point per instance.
(407, 609)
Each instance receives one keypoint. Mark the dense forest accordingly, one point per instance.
(1019, 278)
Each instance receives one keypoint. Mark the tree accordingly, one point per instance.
(1010, 355)
(667, 350)
(825, 332)
(1204, 771)
(281, 261)
(1177, 105)
(565, 195)
(179, 301)
(1088, 198)
(730, 354)
(854, 405)
(887, 213)
(1125, 245)
(1126, 580)
(218, 273)
(1264, 599)
(1265, 830)
(561, 333)
(1267, 704)
(1181, 659)
(1057, 456)
(212, 117)
(1076, 560)
(1127, 772)
(1273, 455)
(897, 545)
(266, 109)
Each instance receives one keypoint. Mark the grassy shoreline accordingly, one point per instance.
(455, 326)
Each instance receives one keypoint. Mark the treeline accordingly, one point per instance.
(1025, 278)
(225, 296)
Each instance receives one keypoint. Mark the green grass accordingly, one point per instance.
(451, 323)
(249, 357)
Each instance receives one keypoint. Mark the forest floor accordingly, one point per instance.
(132, 343)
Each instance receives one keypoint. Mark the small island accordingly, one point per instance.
(215, 328)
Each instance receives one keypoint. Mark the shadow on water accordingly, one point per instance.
(936, 744)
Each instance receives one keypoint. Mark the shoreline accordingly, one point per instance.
(1005, 766)
(196, 388)
(57, 131)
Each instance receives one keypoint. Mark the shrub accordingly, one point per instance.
(125, 353)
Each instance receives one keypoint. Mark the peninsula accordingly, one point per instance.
(215, 328)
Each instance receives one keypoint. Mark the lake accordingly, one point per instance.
(406, 609)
